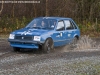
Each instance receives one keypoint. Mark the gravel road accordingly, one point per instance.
(63, 61)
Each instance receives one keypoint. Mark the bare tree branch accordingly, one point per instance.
(1, 8)
(47, 12)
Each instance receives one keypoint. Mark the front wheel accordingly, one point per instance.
(48, 45)
(16, 49)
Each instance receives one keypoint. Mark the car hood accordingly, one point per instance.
(26, 31)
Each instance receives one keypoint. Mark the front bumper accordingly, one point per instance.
(24, 44)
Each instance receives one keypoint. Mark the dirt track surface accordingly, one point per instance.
(38, 63)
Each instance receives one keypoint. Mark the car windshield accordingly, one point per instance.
(42, 24)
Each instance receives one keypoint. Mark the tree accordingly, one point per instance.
(47, 14)
(1, 8)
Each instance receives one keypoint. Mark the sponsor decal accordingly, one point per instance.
(24, 33)
(69, 35)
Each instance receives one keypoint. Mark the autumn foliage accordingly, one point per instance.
(86, 13)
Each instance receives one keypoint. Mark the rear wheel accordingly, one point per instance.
(74, 41)
(16, 49)
(48, 45)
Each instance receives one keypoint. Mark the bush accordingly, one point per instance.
(8, 25)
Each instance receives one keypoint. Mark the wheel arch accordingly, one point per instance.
(48, 45)
(40, 45)
(49, 38)
(77, 37)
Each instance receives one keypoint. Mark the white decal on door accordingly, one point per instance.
(69, 35)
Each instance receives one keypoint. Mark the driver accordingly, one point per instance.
(43, 24)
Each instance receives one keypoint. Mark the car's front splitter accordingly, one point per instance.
(25, 45)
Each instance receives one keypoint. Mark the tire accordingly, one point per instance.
(74, 41)
(15, 49)
(48, 46)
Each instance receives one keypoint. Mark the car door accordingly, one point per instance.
(70, 31)
(59, 34)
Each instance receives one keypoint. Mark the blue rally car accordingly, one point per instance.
(45, 33)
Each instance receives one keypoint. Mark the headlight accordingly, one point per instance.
(11, 36)
(37, 38)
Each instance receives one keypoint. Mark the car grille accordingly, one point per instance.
(26, 38)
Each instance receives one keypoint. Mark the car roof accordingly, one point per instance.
(57, 18)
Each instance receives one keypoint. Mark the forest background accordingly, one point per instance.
(86, 13)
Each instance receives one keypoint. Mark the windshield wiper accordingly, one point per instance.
(37, 27)
(43, 28)
(34, 27)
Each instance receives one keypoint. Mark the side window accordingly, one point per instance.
(68, 25)
(74, 25)
(60, 26)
